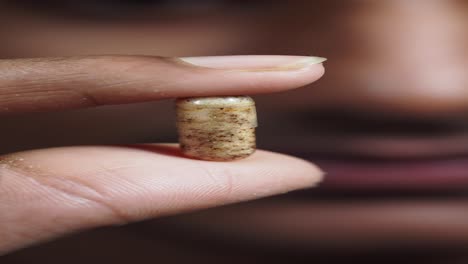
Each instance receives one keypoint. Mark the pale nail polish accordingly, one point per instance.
(253, 63)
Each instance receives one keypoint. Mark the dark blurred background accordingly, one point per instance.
(387, 124)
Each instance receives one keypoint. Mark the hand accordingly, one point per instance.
(50, 192)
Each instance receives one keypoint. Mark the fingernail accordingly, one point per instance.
(253, 62)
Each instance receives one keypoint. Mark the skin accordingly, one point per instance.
(50, 192)
(377, 67)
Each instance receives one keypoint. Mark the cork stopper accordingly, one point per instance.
(217, 128)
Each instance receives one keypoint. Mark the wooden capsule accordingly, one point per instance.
(217, 128)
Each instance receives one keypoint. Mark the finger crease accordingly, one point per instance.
(78, 190)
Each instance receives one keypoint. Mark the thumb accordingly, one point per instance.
(50, 192)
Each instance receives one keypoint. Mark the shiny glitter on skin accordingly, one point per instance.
(217, 128)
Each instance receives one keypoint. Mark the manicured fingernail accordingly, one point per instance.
(254, 62)
(306, 61)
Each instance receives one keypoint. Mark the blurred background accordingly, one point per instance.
(387, 124)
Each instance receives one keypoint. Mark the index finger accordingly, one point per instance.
(47, 84)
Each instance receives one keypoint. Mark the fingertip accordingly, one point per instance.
(281, 81)
(228, 75)
(295, 172)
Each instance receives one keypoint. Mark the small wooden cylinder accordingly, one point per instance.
(217, 128)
